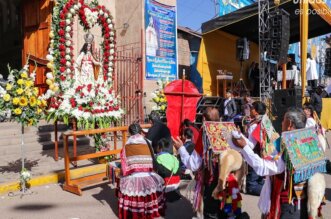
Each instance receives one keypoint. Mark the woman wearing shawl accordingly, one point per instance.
(140, 189)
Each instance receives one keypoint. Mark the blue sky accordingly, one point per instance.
(192, 13)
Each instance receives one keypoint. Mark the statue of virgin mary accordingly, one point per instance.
(85, 63)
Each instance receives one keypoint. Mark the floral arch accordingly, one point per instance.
(93, 102)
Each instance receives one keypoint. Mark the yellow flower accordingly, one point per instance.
(16, 100)
(28, 83)
(33, 101)
(30, 122)
(19, 91)
(28, 93)
(38, 102)
(9, 86)
(24, 75)
(18, 111)
(35, 91)
(163, 107)
(23, 101)
(39, 111)
(20, 81)
(6, 97)
(43, 103)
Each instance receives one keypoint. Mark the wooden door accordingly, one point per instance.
(36, 20)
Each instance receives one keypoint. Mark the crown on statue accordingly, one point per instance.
(88, 38)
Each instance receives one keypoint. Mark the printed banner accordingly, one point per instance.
(160, 40)
(217, 134)
(304, 153)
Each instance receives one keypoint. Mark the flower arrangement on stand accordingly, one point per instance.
(25, 176)
(159, 98)
(95, 104)
(21, 98)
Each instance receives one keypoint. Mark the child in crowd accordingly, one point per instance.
(187, 136)
(167, 166)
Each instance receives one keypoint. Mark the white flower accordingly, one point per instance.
(68, 43)
(67, 57)
(110, 64)
(112, 33)
(52, 41)
(110, 69)
(112, 51)
(111, 57)
(69, 15)
(153, 95)
(68, 64)
(86, 115)
(68, 50)
(109, 74)
(91, 17)
(111, 38)
(49, 57)
(67, 36)
(112, 45)
(68, 21)
(101, 12)
(110, 26)
(105, 15)
(108, 20)
(25, 175)
(79, 5)
(68, 28)
(68, 71)
(49, 75)
(72, 10)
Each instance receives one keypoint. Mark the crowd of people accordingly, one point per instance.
(153, 164)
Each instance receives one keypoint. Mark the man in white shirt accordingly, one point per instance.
(311, 72)
(208, 180)
(273, 201)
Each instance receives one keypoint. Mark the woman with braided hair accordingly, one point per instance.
(141, 190)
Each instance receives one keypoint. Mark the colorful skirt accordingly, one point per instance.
(141, 196)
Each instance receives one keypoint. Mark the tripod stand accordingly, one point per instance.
(240, 86)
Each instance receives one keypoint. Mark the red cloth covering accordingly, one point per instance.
(173, 180)
(199, 144)
(137, 207)
(195, 134)
(276, 195)
(174, 109)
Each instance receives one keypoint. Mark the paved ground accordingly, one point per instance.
(99, 202)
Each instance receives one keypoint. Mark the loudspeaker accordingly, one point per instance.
(279, 35)
(282, 100)
(327, 62)
(242, 49)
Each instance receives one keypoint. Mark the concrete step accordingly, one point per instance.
(40, 146)
(29, 138)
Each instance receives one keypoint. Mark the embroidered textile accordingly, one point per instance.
(303, 155)
(217, 134)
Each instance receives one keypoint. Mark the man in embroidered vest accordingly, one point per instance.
(207, 176)
(274, 200)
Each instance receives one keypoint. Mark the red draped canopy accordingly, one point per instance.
(182, 97)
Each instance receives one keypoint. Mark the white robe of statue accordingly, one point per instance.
(151, 41)
(84, 68)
